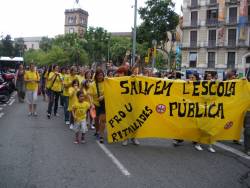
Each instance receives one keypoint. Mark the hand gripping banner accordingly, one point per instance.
(204, 111)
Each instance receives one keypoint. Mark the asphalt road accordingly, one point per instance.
(39, 153)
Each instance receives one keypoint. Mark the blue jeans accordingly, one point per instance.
(53, 101)
(65, 100)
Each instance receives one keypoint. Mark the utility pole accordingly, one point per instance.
(134, 33)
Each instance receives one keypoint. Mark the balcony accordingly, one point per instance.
(190, 46)
(231, 21)
(211, 44)
(212, 3)
(194, 4)
(193, 44)
(231, 43)
(192, 25)
(232, 2)
(212, 22)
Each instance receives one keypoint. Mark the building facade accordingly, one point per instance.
(76, 21)
(32, 42)
(216, 34)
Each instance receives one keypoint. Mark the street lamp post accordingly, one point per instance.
(154, 43)
(134, 33)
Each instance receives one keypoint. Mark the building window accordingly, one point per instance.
(194, 3)
(193, 38)
(72, 20)
(193, 59)
(248, 14)
(211, 60)
(231, 60)
(233, 15)
(194, 18)
(231, 37)
(32, 46)
(212, 16)
(213, 1)
(212, 38)
(71, 30)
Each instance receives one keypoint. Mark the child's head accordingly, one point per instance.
(75, 83)
(80, 95)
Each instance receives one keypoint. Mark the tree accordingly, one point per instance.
(97, 43)
(158, 17)
(19, 47)
(7, 47)
(45, 44)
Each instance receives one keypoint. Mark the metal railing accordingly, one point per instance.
(231, 43)
(232, 20)
(194, 23)
(211, 43)
(193, 44)
(212, 21)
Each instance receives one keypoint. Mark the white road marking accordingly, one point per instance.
(114, 159)
(232, 150)
(11, 102)
(3, 105)
(1, 109)
(1, 115)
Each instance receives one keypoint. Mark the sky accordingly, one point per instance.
(29, 18)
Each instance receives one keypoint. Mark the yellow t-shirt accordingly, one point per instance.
(80, 78)
(57, 82)
(46, 76)
(93, 92)
(34, 76)
(72, 97)
(72, 78)
(80, 110)
(66, 84)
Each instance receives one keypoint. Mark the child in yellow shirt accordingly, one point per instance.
(73, 99)
(79, 112)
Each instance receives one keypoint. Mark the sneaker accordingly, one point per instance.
(71, 126)
(135, 141)
(125, 143)
(76, 142)
(176, 143)
(92, 127)
(236, 142)
(35, 114)
(67, 122)
(83, 141)
(101, 140)
(29, 114)
(48, 116)
(211, 149)
(198, 147)
(56, 114)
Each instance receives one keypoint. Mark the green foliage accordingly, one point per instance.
(19, 47)
(39, 57)
(158, 17)
(7, 47)
(97, 44)
(45, 44)
(160, 62)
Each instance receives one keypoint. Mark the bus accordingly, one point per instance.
(10, 64)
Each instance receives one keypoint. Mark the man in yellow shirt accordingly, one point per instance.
(32, 79)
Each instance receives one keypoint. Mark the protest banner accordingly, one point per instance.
(203, 111)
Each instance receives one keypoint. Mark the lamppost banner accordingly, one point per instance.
(205, 111)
